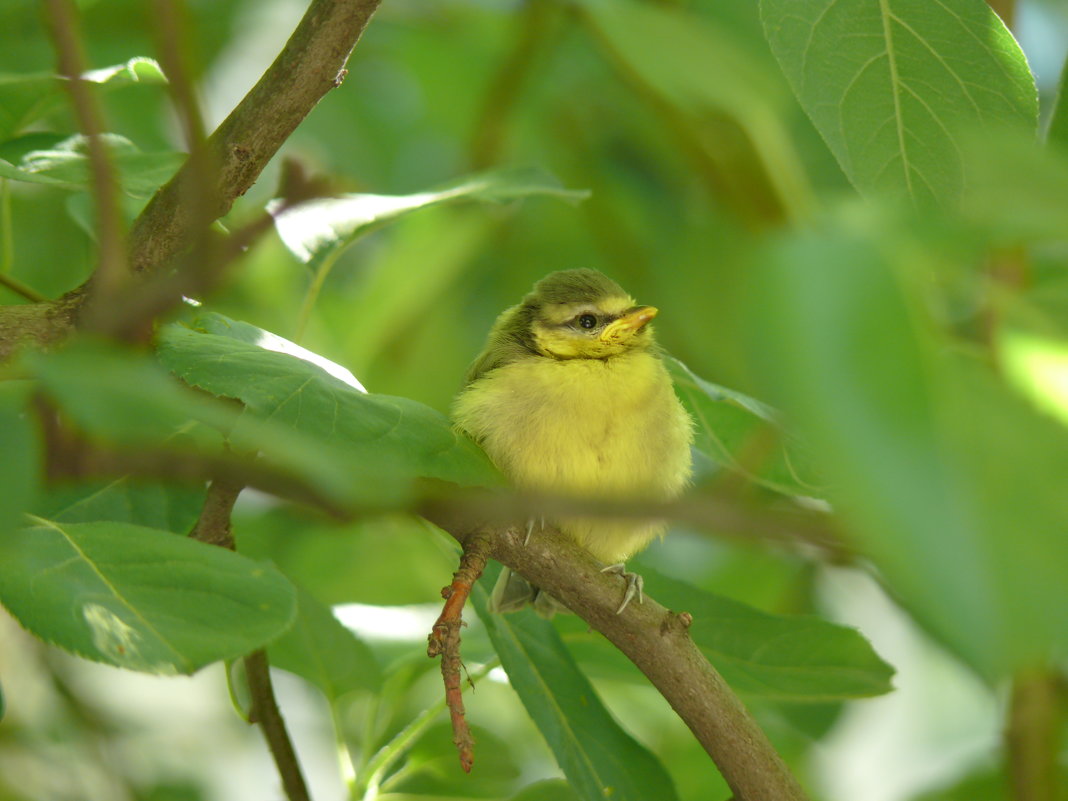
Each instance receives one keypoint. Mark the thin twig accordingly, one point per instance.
(265, 712)
(1033, 734)
(444, 640)
(111, 236)
(213, 527)
(20, 288)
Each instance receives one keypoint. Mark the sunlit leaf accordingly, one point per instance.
(599, 759)
(318, 648)
(26, 98)
(777, 656)
(389, 436)
(1038, 366)
(140, 598)
(315, 230)
(744, 434)
(891, 84)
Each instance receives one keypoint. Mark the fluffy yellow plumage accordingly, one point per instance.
(570, 397)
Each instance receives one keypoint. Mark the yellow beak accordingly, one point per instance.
(628, 325)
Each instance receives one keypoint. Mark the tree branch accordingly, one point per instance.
(656, 640)
(1032, 735)
(213, 528)
(311, 63)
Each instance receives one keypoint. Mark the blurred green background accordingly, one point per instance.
(712, 197)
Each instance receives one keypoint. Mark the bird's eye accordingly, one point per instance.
(587, 321)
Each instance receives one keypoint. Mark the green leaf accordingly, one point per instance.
(66, 164)
(939, 472)
(776, 656)
(140, 598)
(744, 434)
(317, 230)
(891, 84)
(28, 97)
(170, 507)
(318, 648)
(20, 466)
(1057, 132)
(391, 438)
(682, 57)
(599, 759)
(548, 790)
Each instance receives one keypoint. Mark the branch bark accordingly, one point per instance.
(656, 640)
(311, 64)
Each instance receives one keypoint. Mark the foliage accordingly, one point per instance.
(855, 230)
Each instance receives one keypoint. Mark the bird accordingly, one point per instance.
(570, 397)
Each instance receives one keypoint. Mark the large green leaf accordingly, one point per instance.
(316, 230)
(744, 434)
(318, 648)
(777, 656)
(20, 463)
(891, 84)
(140, 598)
(939, 471)
(170, 507)
(383, 436)
(599, 759)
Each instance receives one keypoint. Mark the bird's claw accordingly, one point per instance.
(635, 584)
(530, 528)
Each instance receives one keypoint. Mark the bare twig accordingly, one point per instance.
(311, 63)
(20, 288)
(111, 237)
(213, 527)
(656, 640)
(265, 712)
(444, 640)
(1032, 735)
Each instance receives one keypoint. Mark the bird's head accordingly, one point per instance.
(583, 314)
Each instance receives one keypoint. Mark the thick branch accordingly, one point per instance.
(655, 639)
(1032, 735)
(311, 63)
(265, 712)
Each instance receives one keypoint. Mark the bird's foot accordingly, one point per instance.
(634, 584)
(530, 528)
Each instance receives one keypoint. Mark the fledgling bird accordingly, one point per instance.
(570, 397)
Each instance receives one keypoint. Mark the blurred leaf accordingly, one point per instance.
(139, 598)
(599, 759)
(390, 437)
(940, 473)
(349, 562)
(891, 85)
(430, 768)
(318, 648)
(744, 434)
(317, 230)
(66, 164)
(1057, 132)
(1018, 190)
(28, 97)
(790, 658)
(170, 507)
(984, 784)
(1038, 366)
(20, 467)
(548, 790)
(683, 57)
